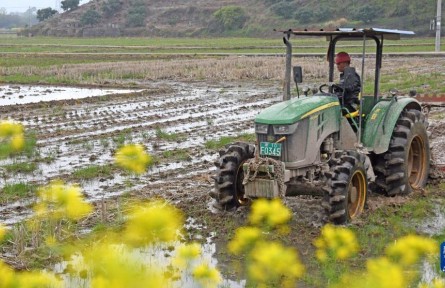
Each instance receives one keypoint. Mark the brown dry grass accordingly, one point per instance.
(231, 68)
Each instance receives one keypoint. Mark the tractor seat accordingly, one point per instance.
(352, 114)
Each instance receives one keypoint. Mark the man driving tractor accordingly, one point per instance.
(348, 89)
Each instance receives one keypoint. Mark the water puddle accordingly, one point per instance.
(158, 257)
(436, 224)
(23, 94)
(433, 226)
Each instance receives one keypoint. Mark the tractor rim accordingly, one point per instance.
(356, 194)
(416, 162)
(239, 187)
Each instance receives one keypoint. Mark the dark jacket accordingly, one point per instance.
(350, 82)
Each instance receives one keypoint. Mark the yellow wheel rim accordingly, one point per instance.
(417, 162)
(239, 187)
(356, 194)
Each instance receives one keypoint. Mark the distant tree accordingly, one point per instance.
(304, 15)
(111, 6)
(417, 9)
(231, 17)
(43, 14)
(366, 13)
(8, 21)
(284, 9)
(271, 2)
(135, 19)
(136, 14)
(90, 17)
(399, 10)
(69, 4)
(324, 13)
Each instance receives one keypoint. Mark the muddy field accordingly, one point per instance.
(74, 134)
(77, 133)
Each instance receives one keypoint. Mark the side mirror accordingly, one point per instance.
(393, 92)
(298, 74)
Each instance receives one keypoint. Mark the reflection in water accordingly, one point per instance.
(74, 274)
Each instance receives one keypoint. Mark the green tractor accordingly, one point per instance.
(307, 145)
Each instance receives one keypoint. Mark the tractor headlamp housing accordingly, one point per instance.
(281, 129)
(261, 128)
(285, 129)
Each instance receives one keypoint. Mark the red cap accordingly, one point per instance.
(342, 57)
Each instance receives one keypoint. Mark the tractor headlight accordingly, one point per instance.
(281, 129)
(284, 129)
(261, 128)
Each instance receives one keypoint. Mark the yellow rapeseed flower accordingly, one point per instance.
(115, 266)
(186, 253)
(58, 201)
(270, 263)
(244, 240)
(2, 231)
(380, 273)
(36, 279)
(50, 241)
(410, 249)
(206, 276)
(271, 213)
(436, 283)
(133, 157)
(12, 133)
(337, 242)
(6, 275)
(10, 128)
(17, 142)
(156, 221)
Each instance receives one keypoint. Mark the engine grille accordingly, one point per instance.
(295, 146)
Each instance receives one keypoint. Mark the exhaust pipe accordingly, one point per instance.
(287, 76)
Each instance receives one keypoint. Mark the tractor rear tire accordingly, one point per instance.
(229, 189)
(405, 166)
(347, 187)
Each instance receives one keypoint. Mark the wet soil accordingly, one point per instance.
(74, 134)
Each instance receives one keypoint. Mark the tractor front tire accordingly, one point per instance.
(229, 189)
(405, 166)
(347, 187)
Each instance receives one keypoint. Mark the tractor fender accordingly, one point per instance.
(380, 123)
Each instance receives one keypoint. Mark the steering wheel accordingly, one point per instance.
(336, 88)
(323, 86)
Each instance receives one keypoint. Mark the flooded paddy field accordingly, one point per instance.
(175, 121)
(75, 134)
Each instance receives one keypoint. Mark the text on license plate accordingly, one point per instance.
(270, 149)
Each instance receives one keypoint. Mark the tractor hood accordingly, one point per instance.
(295, 109)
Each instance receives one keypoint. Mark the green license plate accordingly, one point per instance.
(270, 149)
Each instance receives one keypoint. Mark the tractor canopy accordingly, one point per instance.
(333, 36)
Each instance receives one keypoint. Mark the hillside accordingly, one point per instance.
(174, 18)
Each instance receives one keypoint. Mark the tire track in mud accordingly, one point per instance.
(78, 135)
